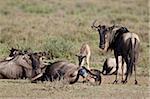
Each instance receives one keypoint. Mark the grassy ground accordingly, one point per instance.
(61, 26)
(23, 89)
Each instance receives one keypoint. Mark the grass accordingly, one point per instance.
(62, 26)
(59, 90)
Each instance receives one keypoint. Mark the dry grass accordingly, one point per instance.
(23, 89)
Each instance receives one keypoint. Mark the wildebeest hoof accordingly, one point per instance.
(84, 81)
(115, 82)
(34, 81)
(124, 81)
(136, 82)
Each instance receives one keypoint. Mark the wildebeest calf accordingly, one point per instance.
(109, 67)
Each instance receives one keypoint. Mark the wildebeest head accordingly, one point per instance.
(15, 52)
(38, 65)
(104, 35)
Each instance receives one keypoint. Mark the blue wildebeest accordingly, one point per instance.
(109, 67)
(69, 72)
(123, 42)
(22, 65)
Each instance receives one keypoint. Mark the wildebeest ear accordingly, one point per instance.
(77, 55)
(12, 49)
(99, 26)
(112, 27)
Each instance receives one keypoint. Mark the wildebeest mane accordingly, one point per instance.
(115, 36)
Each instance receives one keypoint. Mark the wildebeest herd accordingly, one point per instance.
(35, 66)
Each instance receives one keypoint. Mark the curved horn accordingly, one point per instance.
(93, 25)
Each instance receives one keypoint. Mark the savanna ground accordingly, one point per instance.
(60, 27)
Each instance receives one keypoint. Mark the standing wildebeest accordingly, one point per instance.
(22, 66)
(69, 72)
(84, 55)
(109, 67)
(124, 43)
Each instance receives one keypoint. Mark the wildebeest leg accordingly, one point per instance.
(58, 75)
(135, 74)
(135, 62)
(136, 58)
(127, 72)
(45, 78)
(122, 68)
(117, 65)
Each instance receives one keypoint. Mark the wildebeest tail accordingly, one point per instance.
(132, 49)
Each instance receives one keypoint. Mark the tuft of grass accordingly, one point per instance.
(37, 9)
(59, 47)
(3, 50)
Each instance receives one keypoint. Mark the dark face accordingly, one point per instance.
(38, 65)
(104, 36)
(35, 64)
(15, 52)
(102, 33)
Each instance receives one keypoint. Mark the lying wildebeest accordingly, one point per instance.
(84, 55)
(22, 66)
(124, 43)
(109, 67)
(14, 52)
(68, 72)
(62, 70)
